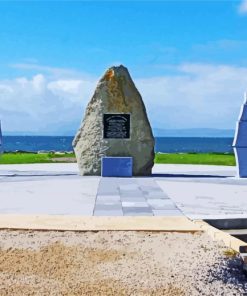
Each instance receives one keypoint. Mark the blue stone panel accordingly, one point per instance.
(241, 160)
(116, 166)
(243, 113)
(240, 139)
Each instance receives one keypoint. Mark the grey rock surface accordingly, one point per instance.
(115, 94)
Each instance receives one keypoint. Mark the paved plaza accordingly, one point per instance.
(198, 192)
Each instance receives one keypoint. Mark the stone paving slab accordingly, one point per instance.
(136, 197)
(133, 187)
(133, 199)
(134, 204)
(108, 198)
(137, 211)
(108, 207)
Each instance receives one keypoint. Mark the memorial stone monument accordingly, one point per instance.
(115, 125)
(240, 141)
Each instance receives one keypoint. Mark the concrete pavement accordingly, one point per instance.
(205, 192)
(198, 192)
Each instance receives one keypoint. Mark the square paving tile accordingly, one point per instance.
(108, 203)
(121, 181)
(129, 187)
(108, 186)
(140, 211)
(133, 199)
(154, 187)
(108, 207)
(138, 214)
(131, 193)
(135, 204)
(107, 198)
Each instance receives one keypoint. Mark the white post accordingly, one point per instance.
(240, 141)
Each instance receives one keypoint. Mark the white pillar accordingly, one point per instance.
(240, 141)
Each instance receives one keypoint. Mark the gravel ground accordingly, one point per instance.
(116, 263)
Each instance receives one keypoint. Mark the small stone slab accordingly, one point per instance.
(128, 187)
(133, 199)
(113, 204)
(107, 198)
(125, 181)
(131, 193)
(135, 204)
(138, 214)
(116, 166)
(137, 211)
(154, 187)
(108, 207)
(108, 186)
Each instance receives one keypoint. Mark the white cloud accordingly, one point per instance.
(69, 86)
(199, 95)
(5, 89)
(41, 105)
(243, 7)
(195, 95)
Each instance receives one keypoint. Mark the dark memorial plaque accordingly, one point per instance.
(116, 126)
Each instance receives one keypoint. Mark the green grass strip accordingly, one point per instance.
(170, 158)
(200, 158)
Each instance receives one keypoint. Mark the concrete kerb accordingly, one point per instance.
(121, 223)
(230, 241)
(140, 223)
(216, 234)
(97, 223)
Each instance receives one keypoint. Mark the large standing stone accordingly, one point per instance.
(115, 109)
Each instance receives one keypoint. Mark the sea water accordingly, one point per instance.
(162, 144)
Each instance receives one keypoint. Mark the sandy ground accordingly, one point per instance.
(116, 263)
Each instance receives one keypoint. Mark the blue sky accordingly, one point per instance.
(188, 59)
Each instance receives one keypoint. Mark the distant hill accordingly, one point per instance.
(52, 134)
(192, 132)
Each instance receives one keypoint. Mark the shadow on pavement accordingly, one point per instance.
(187, 176)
